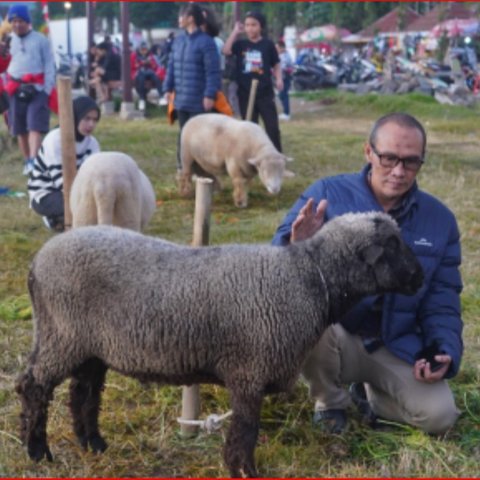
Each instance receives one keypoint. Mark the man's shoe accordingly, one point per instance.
(284, 116)
(359, 398)
(141, 105)
(330, 421)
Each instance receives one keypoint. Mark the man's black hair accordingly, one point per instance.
(402, 120)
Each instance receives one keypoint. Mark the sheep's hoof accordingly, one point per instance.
(186, 193)
(83, 442)
(38, 450)
(97, 444)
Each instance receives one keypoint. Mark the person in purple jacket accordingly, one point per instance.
(396, 351)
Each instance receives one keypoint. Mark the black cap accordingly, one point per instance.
(260, 17)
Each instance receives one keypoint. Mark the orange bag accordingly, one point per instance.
(220, 105)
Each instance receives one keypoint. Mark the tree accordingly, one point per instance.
(108, 10)
(148, 15)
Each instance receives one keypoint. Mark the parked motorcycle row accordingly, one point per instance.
(324, 72)
(314, 72)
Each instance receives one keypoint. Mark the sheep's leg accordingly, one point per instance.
(85, 397)
(34, 397)
(240, 192)
(242, 435)
(184, 176)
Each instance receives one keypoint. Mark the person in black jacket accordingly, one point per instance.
(107, 73)
(256, 57)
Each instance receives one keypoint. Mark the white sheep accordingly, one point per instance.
(242, 316)
(212, 145)
(110, 189)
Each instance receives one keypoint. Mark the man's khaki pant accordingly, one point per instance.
(392, 390)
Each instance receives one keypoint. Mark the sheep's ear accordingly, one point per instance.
(288, 174)
(371, 254)
(254, 161)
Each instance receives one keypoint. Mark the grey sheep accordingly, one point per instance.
(242, 316)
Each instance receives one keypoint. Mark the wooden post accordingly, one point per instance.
(236, 12)
(127, 107)
(251, 99)
(67, 134)
(203, 203)
(125, 24)
(201, 231)
(90, 12)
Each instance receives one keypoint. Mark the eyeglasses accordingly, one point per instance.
(390, 160)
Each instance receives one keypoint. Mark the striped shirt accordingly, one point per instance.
(46, 176)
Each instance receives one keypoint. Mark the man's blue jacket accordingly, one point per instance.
(193, 70)
(409, 323)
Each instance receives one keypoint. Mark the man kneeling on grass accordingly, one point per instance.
(396, 351)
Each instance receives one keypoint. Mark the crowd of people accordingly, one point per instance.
(396, 351)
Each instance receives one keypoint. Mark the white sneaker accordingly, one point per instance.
(284, 116)
(141, 105)
(162, 102)
(28, 167)
(46, 222)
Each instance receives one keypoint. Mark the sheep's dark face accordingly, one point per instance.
(391, 262)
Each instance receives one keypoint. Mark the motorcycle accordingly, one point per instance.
(73, 67)
(358, 70)
(79, 77)
(311, 76)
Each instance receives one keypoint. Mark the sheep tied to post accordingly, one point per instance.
(242, 316)
(110, 189)
(214, 144)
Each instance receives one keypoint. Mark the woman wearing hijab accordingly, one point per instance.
(45, 184)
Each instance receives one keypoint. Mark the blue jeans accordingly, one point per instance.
(140, 79)
(283, 95)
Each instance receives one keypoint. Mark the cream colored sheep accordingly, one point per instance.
(110, 189)
(214, 144)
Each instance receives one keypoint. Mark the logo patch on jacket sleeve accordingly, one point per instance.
(423, 242)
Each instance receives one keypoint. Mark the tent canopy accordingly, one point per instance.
(322, 33)
(456, 26)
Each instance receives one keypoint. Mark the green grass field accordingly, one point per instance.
(139, 422)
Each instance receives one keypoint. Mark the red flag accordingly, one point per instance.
(46, 17)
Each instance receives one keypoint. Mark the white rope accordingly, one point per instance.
(211, 424)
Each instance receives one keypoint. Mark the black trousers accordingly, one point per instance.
(51, 206)
(183, 117)
(264, 107)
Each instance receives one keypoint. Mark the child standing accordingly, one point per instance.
(256, 57)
